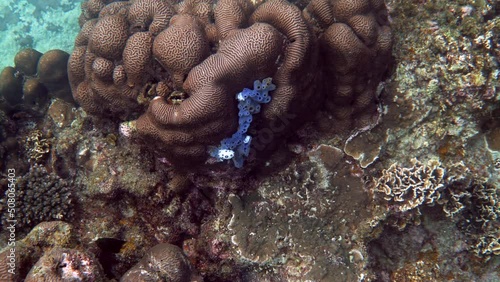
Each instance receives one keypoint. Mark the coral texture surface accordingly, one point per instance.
(180, 65)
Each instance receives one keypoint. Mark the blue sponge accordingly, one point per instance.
(237, 147)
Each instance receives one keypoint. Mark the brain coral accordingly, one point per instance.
(179, 65)
(163, 262)
(355, 42)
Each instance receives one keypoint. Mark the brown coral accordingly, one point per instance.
(94, 77)
(163, 262)
(109, 37)
(34, 93)
(297, 62)
(137, 56)
(356, 42)
(181, 46)
(150, 15)
(187, 61)
(91, 8)
(35, 77)
(204, 118)
(52, 71)
(11, 86)
(26, 61)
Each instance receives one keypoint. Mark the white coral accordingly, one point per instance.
(411, 187)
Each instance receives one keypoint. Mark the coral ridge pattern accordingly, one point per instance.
(178, 64)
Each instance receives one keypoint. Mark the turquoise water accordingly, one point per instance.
(42, 25)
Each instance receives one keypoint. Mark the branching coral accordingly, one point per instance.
(41, 196)
(186, 61)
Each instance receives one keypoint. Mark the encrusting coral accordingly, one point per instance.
(186, 62)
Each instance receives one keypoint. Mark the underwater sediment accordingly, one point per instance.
(376, 158)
